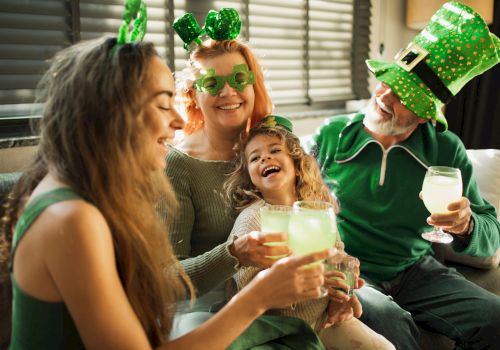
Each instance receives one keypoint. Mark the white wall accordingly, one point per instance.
(388, 28)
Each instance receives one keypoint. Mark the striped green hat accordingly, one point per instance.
(453, 48)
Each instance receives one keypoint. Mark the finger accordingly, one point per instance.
(360, 282)
(442, 217)
(266, 237)
(337, 296)
(335, 273)
(452, 222)
(310, 258)
(276, 250)
(357, 308)
(335, 283)
(462, 203)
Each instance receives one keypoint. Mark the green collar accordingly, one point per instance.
(353, 139)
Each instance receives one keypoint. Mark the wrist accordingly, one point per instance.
(253, 300)
(233, 251)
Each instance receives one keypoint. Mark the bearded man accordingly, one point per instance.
(376, 161)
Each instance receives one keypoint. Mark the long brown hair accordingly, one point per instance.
(213, 48)
(92, 139)
(240, 192)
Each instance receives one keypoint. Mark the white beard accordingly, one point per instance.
(388, 127)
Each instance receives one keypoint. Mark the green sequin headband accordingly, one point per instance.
(213, 84)
(272, 121)
(222, 25)
(134, 10)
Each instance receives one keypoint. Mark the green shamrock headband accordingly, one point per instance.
(213, 84)
(272, 121)
(222, 25)
(134, 10)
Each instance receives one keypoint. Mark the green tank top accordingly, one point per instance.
(38, 324)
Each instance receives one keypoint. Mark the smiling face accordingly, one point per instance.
(386, 115)
(229, 109)
(161, 118)
(270, 166)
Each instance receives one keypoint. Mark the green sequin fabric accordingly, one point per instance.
(460, 47)
(222, 25)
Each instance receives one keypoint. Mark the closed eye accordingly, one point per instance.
(253, 159)
(276, 150)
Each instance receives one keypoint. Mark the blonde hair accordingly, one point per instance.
(214, 48)
(240, 192)
(92, 138)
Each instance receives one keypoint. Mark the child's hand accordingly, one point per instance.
(251, 251)
(339, 312)
(335, 280)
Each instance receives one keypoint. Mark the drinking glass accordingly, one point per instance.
(442, 186)
(275, 218)
(312, 228)
(346, 264)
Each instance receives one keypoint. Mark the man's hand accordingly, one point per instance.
(457, 220)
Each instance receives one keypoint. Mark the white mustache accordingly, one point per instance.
(383, 106)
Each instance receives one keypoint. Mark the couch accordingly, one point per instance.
(483, 271)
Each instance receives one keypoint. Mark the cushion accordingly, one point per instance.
(486, 170)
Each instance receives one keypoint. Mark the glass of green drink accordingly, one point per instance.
(312, 228)
(275, 218)
(346, 264)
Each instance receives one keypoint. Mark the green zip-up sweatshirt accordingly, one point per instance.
(381, 215)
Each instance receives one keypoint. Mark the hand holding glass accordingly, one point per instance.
(442, 186)
(312, 228)
(275, 218)
(346, 264)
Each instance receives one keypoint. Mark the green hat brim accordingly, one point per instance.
(410, 89)
(273, 120)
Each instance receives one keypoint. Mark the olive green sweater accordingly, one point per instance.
(199, 229)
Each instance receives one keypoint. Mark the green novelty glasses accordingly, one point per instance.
(213, 84)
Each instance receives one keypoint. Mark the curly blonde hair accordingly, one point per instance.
(240, 192)
(213, 48)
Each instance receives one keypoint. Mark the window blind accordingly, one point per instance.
(312, 51)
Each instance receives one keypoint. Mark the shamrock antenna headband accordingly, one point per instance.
(222, 25)
(134, 10)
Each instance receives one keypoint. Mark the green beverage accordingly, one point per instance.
(312, 228)
(275, 218)
(349, 280)
(346, 264)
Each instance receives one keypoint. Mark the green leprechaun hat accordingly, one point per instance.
(454, 47)
(272, 121)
